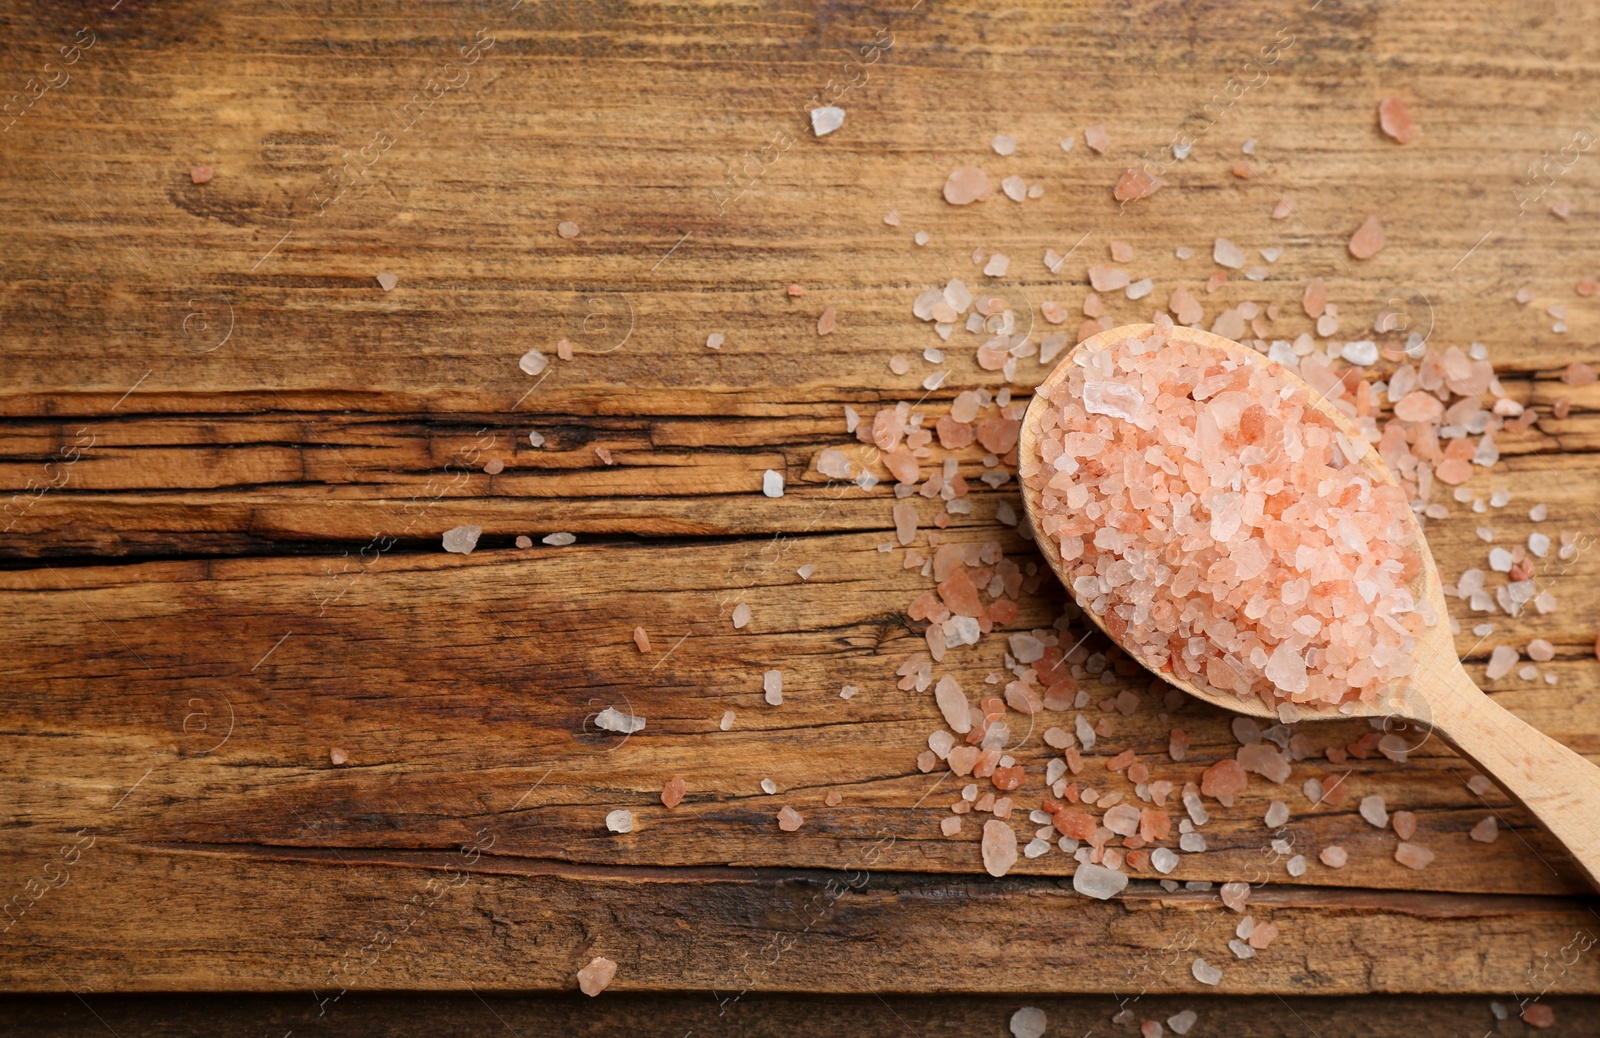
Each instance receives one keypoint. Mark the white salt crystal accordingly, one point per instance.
(1028, 1022)
(741, 615)
(620, 821)
(1375, 811)
(1139, 289)
(1500, 560)
(559, 540)
(1538, 513)
(1206, 974)
(1193, 843)
(1297, 865)
(715, 340)
(1501, 660)
(848, 692)
(462, 539)
(997, 266)
(535, 439)
(1181, 1022)
(727, 720)
(772, 483)
(768, 786)
(1364, 352)
(1035, 848)
(826, 119)
(1227, 254)
(1539, 544)
(1097, 881)
(533, 362)
(1163, 860)
(1277, 814)
(772, 684)
(614, 720)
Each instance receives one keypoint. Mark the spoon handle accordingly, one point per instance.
(1560, 787)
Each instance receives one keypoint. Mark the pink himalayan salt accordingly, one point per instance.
(1334, 857)
(595, 977)
(1418, 406)
(1395, 120)
(999, 847)
(1412, 856)
(337, 756)
(672, 792)
(1205, 511)
(789, 819)
(1097, 138)
(641, 639)
(965, 185)
(1367, 242)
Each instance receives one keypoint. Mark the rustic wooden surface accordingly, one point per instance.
(252, 451)
(560, 1016)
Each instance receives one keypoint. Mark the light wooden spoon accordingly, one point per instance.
(1561, 788)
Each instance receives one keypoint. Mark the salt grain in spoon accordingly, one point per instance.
(1238, 536)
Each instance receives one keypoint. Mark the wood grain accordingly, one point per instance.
(226, 410)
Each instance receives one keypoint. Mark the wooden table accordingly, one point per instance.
(234, 454)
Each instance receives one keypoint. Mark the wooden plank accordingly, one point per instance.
(273, 919)
(671, 1016)
(454, 684)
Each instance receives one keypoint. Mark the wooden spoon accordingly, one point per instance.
(1558, 786)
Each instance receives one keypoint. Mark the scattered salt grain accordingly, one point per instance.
(999, 847)
(672, 792)
(613, 720)
(1182, 1022)
(715, 340)
(1501, 660)
(596, 977)
(772, 685)
(1205, 973)
(772, 483)
(1412, 856)
(1097, 138)
(848, 692)
(620, 821)
(524, 541)
(1486, 831)
(1367, 241)
(826, 119)
(559, 540)
(1374, 811)
(1334, 857)
(727, 720)
(1395, 120)
(1227, 254)
(1097, 881)
(1277, 814)
(533, 362)
(337, 756)
(1028, 1023)
(462, 539)
(1541, 651)
(1004, 144)
(387, 283)
(789, 819)
(965, 185)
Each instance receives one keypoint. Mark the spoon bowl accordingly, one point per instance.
(1557, 785)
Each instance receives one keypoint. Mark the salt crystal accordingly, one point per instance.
(1182, 1022)
(805, 572)
(620, 821)
(999, 847)
(337, 756)
(998, 264)
(1028, 1022)
(1097, 881)
(727, 720)
(1334, 857)
(1277, 814)
(741, 615)
(1486, 831)
(1004, 144)
(597, 976)
(826, 119)
(559, 540)
(613, 720)
(1206, 974)
(1541, 651)
(1501, 660)
(715, 340)
(768, 786)
(1374, 811)
(1500, 560)
(1163, 860)
(533, 362)
(1413, 856)
(789, 819)
(1364, 352)
(1035, 848)
(772, 685)
(772, 483)
(1227, 254)
(1539, 544)
(1234, 895)
(965, 185)
(462, 539)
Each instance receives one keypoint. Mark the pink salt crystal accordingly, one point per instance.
(387, 283)
(1315, 299)
(1282, 210)
(999, 847)
(1395, 120)
(741, 615)
(1501, 660)
(1184, 307)
(892, 218)
(1578, 374)
(834, 798)
(789, 819)
(1151, 1029)
(1541, 651)
(1262, 936)
(796, 290)
(672, 792)
(1405, 824)
(1135, 184)
(1122, 252)
(965, 185)
(1106, 278)
(1367, 241)
(828, 321)
(494, 467)
(1539, 1015)
(950, 825)
(337, 756)
(1412, 856)
(727, 720)
(1334, 857)
(595, 977)
(1234, 895)
(1418, 406)
(567, 229)
(1486, 831)
(641, 639)
(1223, 780)
(905, 521)
(524, 541)
(1096, 137)
(200, 174)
